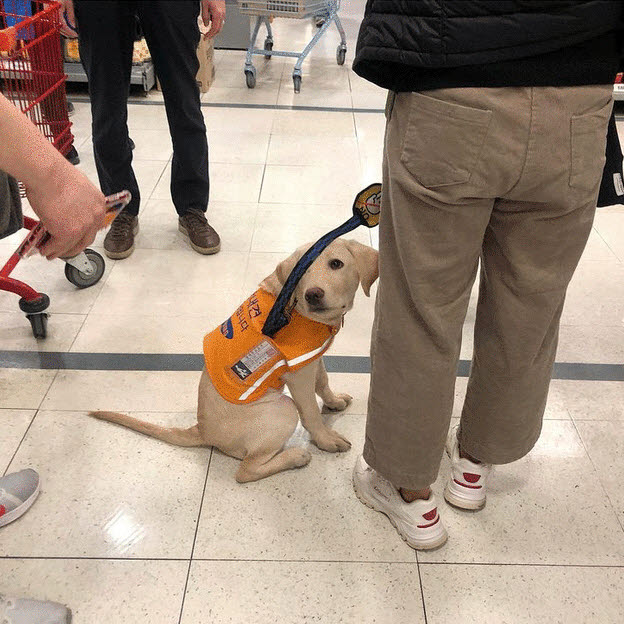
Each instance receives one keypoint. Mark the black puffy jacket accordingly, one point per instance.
(423, 44)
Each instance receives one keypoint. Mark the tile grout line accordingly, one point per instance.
(84, 320)
(604, 489)
(92, 306)
(422, 591)
(201, 505)
(605, 242)
(19, 444)
(97, 296)
(613, 566)
(85, 558)
(253, 236)
(131, 411)
(614, 420)
(162, 173)
(32, 420)
(526, 565)
(264, 168)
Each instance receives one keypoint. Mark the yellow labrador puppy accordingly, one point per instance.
(241, 409)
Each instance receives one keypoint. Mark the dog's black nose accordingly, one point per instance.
(314, 296)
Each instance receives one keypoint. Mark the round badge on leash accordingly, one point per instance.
(366, 209)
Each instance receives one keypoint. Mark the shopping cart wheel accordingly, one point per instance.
(82, 280)
(341, 54)
(35, 314)
(297, 83)
(250, 77)
(39, 324)
(268, 45)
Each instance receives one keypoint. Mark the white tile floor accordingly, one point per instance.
(128, 529)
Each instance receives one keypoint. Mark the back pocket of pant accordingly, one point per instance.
(443, 140)
(588, 136)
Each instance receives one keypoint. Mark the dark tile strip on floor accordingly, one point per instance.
(194, 362)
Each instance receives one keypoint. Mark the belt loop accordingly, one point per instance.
(390, 104)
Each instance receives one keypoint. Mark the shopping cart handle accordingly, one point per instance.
(365, 212)
(8, 39)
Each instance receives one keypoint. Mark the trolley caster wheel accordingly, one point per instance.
(82, 280)
(39, 324)
(250, 78)
(35, 306)
(268, 45)
(297, 83)
(341, 54)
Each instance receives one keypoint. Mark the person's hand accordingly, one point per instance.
(213, 13)
(72, 211)
(68, 19)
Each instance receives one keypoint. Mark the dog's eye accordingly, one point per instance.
(336, 264)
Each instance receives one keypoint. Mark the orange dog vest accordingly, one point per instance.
(243, 363)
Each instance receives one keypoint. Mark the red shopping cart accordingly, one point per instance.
(32, 77)
(31, 66)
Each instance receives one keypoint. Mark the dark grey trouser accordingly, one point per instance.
(106, 30)
(10, 206)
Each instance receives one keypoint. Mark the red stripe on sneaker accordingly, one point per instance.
(471, 477)
(472, 487)
(426, 526)
(430, 515)
(2, 510)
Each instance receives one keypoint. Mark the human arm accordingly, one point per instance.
(68, 19)
(69, 206)
(213, 13)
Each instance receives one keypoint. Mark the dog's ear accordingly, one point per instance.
(367, 263)
(274, 282)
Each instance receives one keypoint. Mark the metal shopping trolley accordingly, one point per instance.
(32, 77)
(297, 9)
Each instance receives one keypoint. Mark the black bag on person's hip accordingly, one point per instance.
(612, 184)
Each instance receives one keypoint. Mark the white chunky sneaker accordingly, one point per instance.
(467, 483)
(18, 492)
(26, 611)
(418, 523)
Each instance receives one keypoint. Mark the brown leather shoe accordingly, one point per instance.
(119, 241)
(202, 236)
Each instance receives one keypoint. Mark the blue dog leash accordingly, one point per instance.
(365, 212)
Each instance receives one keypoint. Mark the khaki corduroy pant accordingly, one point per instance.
(507, 176)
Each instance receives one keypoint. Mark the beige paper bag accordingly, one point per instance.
(205, 55)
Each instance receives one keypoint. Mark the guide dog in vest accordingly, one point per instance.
(242, 409)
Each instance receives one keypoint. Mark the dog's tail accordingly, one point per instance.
(173, 435)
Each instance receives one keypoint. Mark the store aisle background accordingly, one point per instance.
(129, 529)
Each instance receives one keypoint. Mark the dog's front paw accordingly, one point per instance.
(331, 441)
(339, 402)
